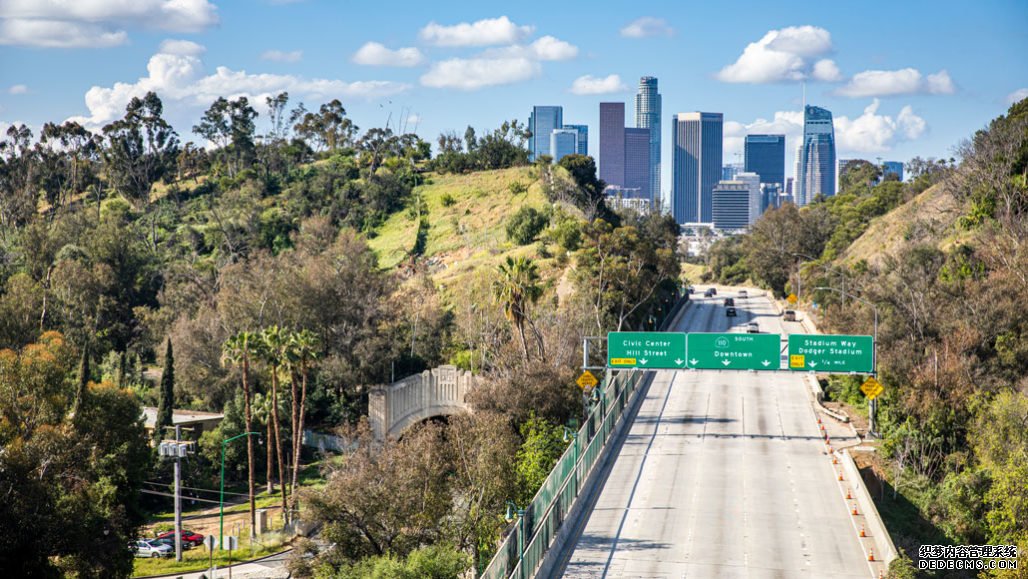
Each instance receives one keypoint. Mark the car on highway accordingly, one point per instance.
(730, 312)
(729, 301)
(149, 549)
(709, 293)
(752, 328)
(189, 538)
(789, 315)
(743, 294)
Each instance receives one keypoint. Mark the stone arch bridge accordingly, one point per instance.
(441, 391)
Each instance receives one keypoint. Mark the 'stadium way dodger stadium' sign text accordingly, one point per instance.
(826, 353)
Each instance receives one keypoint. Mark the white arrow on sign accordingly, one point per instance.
(679, 361)
(766, 363)
(812, 364)
(726, 362)
(643, 361)
(694, 361)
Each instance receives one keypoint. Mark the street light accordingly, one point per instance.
(512, 511)
(221, 518)
(874, 349)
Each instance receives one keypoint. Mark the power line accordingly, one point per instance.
(199, 489)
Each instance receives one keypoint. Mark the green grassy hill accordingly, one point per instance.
(465, 217)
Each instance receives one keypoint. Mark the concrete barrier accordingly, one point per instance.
(875, 526)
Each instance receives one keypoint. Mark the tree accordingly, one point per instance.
(543, 444)
(18, 167)
(230, 126)
(525, 225)
(141, 148)
(237, 350)
(305, 349)
(166, 401)
(329, 128)
(516, 290)
(273, 343)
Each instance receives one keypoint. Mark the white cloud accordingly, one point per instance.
(826, 70)
(877, 83)
(282, 56)
(545, 48)
(375, 54)
(787, 54)
(177, 75)
(1017, 96)
(589, 84)
(489, 31)
(646, 27)
(18, 89)
(476, 73)
(870, 132)
(96, 23)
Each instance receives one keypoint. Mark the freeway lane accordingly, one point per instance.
(721, 475)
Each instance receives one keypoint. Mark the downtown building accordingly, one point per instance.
(624, 154)
(697, 140)
(765, 156)
(546, 123)
(736, 204)
(647, 116)
(815, 157)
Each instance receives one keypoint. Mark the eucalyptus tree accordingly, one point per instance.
(142, 148)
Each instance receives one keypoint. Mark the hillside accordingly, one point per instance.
(930, 215)
(465, 216)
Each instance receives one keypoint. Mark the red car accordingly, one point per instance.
(189, 538)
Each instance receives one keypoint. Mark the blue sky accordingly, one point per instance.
(902, 79)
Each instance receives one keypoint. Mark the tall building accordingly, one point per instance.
(697, 146)
(765, 156)
(541, 123)
(732, 204)
(895, 167)
(612, 143)
(637, 162)
(815, 160)
(583, 138)
(647, 116)
(755, 203)
(563, 142)
(729, 171)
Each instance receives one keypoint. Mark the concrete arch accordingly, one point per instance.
(440, 391)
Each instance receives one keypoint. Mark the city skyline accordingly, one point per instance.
(892, 95)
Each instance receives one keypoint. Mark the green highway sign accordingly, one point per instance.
(735, 351)
(656, 350)
(831, 353)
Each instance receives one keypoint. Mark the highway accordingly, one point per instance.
(721, 475)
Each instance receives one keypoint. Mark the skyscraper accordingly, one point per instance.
(765, 156)
(697, 145)
(541, 123)
(612, 143)
(583, 138)
(815, 161)
(895, 167)
(563, 142)
(647, 116)
(637, 162)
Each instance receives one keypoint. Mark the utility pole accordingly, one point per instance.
(176, 449)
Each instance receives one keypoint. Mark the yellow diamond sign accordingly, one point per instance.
(872, 388)
(791, 299)
(587, 380)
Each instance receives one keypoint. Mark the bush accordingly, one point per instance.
(447, 200)
(525, 225)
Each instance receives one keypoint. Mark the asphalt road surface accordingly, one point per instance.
(722, 475)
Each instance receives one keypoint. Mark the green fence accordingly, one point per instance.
(523, 549)
(546, 513)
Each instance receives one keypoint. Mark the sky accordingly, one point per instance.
(901, 78)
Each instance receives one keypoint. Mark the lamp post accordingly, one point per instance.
(221, 517)
(512, 511)
(873, 405)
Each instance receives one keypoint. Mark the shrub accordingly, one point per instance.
(447, 200)
(525, 225)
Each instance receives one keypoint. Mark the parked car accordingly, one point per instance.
(730, 312)
(188, 537)
(169, 542)
(790, 315)
(743, 294)
(145, 548)
(752, 328)
(729, 301)
(709, 293)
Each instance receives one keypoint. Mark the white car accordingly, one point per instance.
(144, 548)
(752, 328)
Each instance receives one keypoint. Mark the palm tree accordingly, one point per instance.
(237, 350)
(517, 288)
(262, 412)
(304, 347)
(274, 342)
